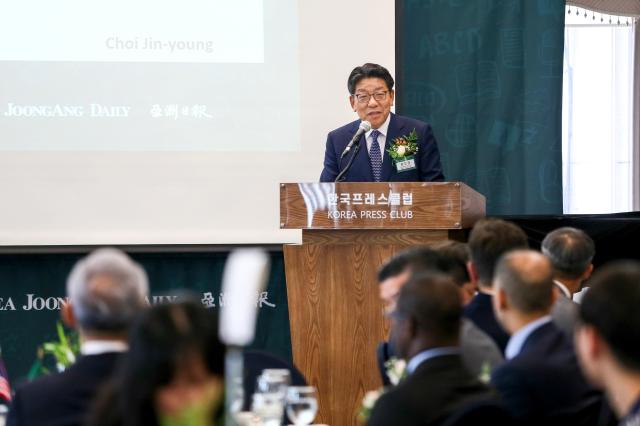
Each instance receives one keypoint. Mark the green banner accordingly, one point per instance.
(32, 286)
(487, 75)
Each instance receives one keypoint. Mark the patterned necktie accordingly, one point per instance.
(375, 156)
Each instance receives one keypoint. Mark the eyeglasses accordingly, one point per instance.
(364, 98)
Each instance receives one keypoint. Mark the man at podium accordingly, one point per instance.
(397, 148)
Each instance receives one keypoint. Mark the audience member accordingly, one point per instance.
(459, 253)
(425, 326)
(172, 374)
(541, 377)
(608, 335)
(105, 290)
(490, 239)
(571, 252)
(479, 352)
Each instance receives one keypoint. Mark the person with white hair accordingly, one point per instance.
(106, 291)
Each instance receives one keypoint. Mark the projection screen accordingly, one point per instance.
(161, 122)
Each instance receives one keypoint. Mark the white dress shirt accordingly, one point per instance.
(97, 347)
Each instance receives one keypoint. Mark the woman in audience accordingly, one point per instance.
(172, 374)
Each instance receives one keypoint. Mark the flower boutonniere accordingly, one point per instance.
(368, 402)
(404, 147)
(485, 373)
(396, 370)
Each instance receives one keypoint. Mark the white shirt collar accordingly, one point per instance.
(383, 129)
(579, 295)
(428, 354)
(97, 347)
(563, 288)
(519, 337)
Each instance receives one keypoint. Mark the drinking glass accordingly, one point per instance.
(4, 410)
(268, 407)
(269, 397)
(302, 404)
(273, 380)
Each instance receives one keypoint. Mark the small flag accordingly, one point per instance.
(5, 389)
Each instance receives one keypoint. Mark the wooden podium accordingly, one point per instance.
(348, 231)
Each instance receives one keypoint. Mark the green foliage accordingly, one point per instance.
(64, 352)
(404, 147)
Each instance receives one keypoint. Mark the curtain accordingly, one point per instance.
(598, 123)
(487, 75)
(613, 7)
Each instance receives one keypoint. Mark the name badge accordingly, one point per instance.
(406, 165)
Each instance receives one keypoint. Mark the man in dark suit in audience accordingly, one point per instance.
(425, 325)
(608, 337)
(479, 353)
(541, 379)
(490, 239)
(106, 290)
(571, 252)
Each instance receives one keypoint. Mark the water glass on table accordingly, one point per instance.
(302, 404)
(273, 380)
(269, 397)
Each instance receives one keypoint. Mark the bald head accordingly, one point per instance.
(526, 277)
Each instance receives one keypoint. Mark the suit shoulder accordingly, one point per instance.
(528, 365)
(412, 123)
(85, 369)
(347, 128)
(44, 387)
(395, 406)
(512, 373)
(479, 307)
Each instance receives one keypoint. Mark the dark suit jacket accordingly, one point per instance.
(428, 168)
(64, 398)
(438, 387)
(480, 312)
(477, 350)
(544, 378)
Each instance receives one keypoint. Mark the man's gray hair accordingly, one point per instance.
(570, 250)
(107, 290)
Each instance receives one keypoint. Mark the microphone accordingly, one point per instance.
(365, 126)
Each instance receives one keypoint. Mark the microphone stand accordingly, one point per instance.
(356, 148)
(233, 374)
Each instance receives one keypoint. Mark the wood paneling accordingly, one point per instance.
(335, 312)
(473, 206)
(336, 322)
(410, 237)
